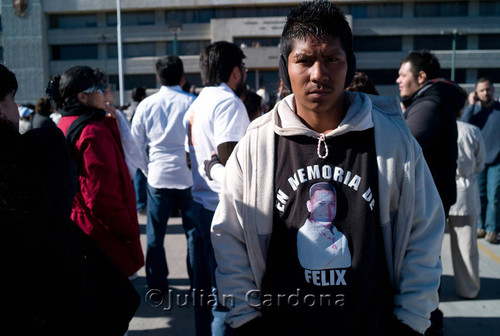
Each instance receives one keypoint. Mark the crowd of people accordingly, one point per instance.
(333, 185)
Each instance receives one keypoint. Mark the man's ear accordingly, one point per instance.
(422, 77)
(183, 80)
(308, 204)
(234, 78)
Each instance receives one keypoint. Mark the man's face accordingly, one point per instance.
(323, 206)
(241, 85)
(317, 68)
(485, 92)
(9, 110)
(408, 84)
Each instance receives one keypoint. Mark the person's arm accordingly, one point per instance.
(467, 113)
(139, 134)
(230, 125)
(234, 273)
(479, 151)
(225, 149)
(419, 259)
(100, 184)
(214, 168)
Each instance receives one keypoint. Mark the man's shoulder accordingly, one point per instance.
(496, 106)
(387, 106)
(262, 121)
(388, 117)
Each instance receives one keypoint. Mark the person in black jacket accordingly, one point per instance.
(430, 107)
(43, 110)
(56, 280)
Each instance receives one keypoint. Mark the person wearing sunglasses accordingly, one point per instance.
(104, 206)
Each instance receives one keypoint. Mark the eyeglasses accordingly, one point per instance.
(99, 88)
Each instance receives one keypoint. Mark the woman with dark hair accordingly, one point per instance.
(104, 206)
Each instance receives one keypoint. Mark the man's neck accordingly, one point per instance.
(487, 104)
(322, 121)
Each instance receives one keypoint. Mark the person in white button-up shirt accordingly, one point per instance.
(158, 129)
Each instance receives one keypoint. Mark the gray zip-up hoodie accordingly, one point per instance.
(411, 213)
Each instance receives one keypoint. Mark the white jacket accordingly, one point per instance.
(411, 213)
(471, 157)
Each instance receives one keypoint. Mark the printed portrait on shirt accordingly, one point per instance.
(319, 244)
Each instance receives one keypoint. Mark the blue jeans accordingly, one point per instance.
(209, 314)
(489, 192)
(161, 203)
(141, 190)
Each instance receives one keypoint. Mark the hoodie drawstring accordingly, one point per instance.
(322, 139)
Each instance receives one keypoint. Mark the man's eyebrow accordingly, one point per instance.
(302, 54)
(307, 53)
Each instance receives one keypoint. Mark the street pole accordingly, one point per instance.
(175, 44)
(105, 55)
(119, 43)
(453, 53)
(175, 27)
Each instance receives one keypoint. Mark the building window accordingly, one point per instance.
(434, 9)
(204, 15)
(492, 74)
(132, 81)
(490, 41)
(133, 50)
(438, 42)
(74, 52)
(132, 19)
(459, 74)
(257, 42)
(489, 8)
(377, 43)
(72, 21)
(187, 47)
(382, 76)
(376, 11)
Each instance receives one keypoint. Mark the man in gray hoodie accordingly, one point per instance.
(386, 203)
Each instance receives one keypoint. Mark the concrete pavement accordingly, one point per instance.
(480, 316)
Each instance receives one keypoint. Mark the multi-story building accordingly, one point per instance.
(54, 35)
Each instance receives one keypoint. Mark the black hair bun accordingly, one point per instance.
(52, 89)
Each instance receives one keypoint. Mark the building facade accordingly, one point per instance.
(53, 35)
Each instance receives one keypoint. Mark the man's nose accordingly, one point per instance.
(318, 72)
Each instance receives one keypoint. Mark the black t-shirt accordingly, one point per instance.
(326, 268)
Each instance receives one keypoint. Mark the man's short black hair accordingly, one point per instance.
(423, 60)
(169, 70)
(322, 186)
(218, 60)
(138, 93)
(319, 19)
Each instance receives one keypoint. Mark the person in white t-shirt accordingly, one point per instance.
(158, 128)
(216, 121)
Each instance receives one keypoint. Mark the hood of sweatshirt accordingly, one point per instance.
(358, 117)
(440, 91)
